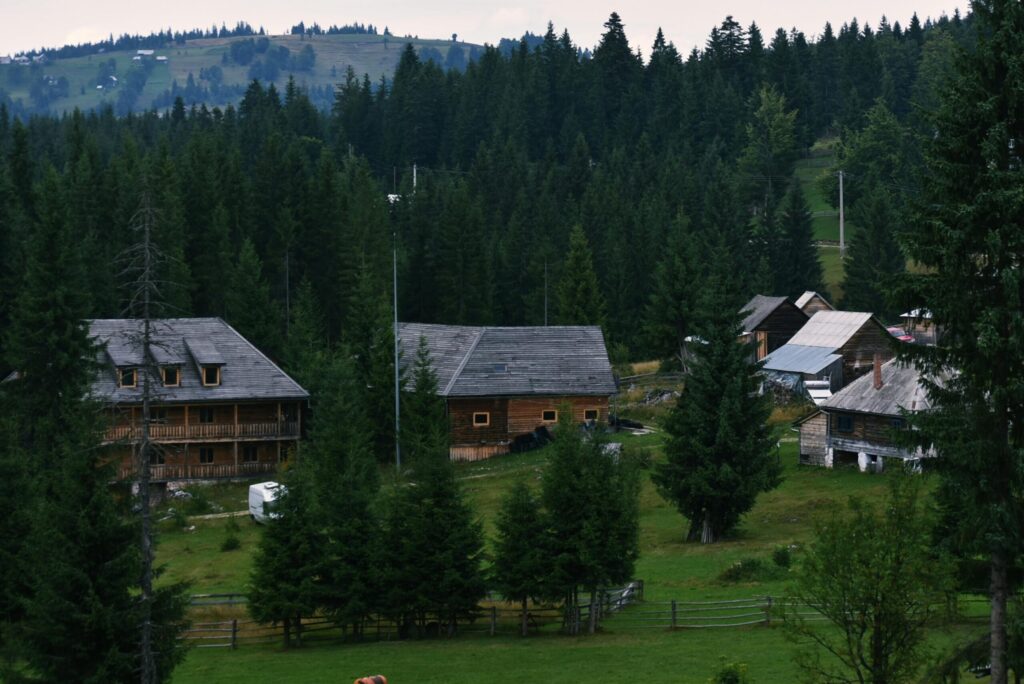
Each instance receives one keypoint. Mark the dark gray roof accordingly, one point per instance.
(901, 388)
(513, 361)
(796, 358)
(246, 374)
(758, 309)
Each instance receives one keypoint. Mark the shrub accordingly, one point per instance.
(197, 504)
(748, 570)
(782, 556)
(231, 542)
(731, 673)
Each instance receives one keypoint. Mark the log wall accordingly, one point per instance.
(813, 438)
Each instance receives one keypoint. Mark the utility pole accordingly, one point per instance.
(394, 295)
(545, 292)
(842, 219)
(414, 178)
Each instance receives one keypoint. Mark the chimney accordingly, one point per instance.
(878, 371)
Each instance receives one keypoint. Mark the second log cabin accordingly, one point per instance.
(503, 382)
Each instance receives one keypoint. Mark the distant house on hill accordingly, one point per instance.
(811, 302)
(858, 425)
(500, 383)
(838, 346)
(769, 322)
(221, 409)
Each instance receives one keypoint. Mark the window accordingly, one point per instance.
(158, 415)
(211, 376)
(250, 454)
(845, 423)
(500, 368)
(549, 416)
(127, 377)
(171, 376)
(206, 455)
(481, 419)
(206, 415)
(898, 424)
(590, 414)
(156, 457)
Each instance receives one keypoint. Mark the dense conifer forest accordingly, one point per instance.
(539, 172)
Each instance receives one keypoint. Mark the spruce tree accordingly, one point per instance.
(719, 452)
(875, 256)
(424, 423)
(520, 563)
(797, 268)
(767, 160)
(347, 481)
(305, 349)
(580, 301)
(966, 235)
(284, 586)
(250, 309)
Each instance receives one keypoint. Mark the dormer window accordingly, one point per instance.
(211, 376)
(170, 375)
(127, 377)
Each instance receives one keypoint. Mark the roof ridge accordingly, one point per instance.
(479, 330)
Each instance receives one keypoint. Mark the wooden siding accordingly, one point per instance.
(816, 304)
(477, 453)
(460, 421)
(813, 439)
(181, 462)
(876, 430)
(859, 351)
(524, 415)
(781, 325)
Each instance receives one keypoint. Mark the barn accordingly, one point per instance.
(499, 383)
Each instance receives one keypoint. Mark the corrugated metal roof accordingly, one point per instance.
(795, 358)
(758, 309)
(246, 373)
(513, 361)
(807, 296)
(830, 329)
(901, 388)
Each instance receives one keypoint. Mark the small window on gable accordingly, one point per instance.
(845, 423)
(206, 455)
(549, 416)
(127, 377)
(250, 453)
(590, 414)
(481, 419)
(211, 376)
(206, 415)
(171, 376)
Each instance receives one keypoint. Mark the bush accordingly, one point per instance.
(749, 570)
(731, 673)
(197, 503)
(231, 542)
(782, 556)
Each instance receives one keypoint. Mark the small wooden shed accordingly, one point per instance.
(811, 302)
(769, 322)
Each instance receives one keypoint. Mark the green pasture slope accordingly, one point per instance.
(826, 219)
(623, 652)
(367, 54)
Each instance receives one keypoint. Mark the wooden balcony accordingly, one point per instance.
(196, 471)
(206, 432)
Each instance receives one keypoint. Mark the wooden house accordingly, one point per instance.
(858, 426)
(220, 408)
(769, 322)
(854, 337)
(811, 302)
(503, 382)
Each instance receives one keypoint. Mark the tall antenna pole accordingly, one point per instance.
(394, 295)
(545, 291)
(414, 178)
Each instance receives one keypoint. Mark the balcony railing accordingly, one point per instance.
(202, 431)
(196, 471)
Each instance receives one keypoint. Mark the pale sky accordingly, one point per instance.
(29, 24)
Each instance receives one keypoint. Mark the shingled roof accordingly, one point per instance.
(758, 309)
(901, 389)
(246, 374)
(475, 361)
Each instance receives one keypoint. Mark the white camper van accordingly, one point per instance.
(261, 500)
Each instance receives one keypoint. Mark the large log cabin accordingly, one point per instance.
(859, 425)
(220, 408)
(503, 382)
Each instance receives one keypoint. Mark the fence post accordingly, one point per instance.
(673, 613)
(641, 589)
(234, 634)
(768, 611)
(494, 620)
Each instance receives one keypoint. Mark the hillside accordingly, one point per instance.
(60, 85)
